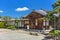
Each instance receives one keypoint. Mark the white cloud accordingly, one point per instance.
(22, 9)
(1, 11)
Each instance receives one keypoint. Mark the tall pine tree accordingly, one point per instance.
(56, 6)
(56, 9)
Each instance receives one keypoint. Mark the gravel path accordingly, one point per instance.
(6, 34)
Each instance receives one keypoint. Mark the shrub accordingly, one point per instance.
(2, 25)
(52, 33)
(55, 33)
(11, 27)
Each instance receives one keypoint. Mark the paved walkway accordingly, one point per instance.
(6, 34)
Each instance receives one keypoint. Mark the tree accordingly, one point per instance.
(57, 3)
(55, 34)
(16, 21)
(6, 20)
(49, 15)
(56, 9)
(0, 16)
(56, 6)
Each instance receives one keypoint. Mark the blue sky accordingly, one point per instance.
(18, 8)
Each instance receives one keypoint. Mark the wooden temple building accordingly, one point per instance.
(34, 20)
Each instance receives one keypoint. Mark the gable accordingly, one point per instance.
(34, 14)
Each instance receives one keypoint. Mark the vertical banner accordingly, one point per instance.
(28, 27)
(47, 23)
(36, 22)
(44, 23)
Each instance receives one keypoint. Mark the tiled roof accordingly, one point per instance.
(42, 12)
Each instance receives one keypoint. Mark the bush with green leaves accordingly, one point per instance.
(11, 27)
(55, 33)
(2, 25)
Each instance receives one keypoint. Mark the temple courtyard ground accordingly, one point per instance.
(7, 34)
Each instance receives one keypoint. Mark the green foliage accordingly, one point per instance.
(2, 25)
(0, 16)
(55, 33)
(11, 27)
(57, 3)
(51, 33)
(16, 20)
(56, 6)
(57, 10)
(6, 18)
(49, 15)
